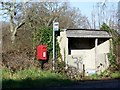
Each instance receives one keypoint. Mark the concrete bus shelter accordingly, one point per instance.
(86, 47)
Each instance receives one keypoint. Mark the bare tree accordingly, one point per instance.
(44, 13)
(39, 14)
(93, 18)
(9, 10)
(105, 13)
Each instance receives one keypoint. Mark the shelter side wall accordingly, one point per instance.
(62, 40)
(87, 58)
(102, 58)
(103, 47)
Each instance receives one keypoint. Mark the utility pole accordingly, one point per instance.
(55, 28)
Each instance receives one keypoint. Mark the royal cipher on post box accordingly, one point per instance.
(42, 52)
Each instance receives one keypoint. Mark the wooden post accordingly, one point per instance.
(83, 70)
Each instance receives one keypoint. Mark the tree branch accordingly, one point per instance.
(51, 20)
(18, 26)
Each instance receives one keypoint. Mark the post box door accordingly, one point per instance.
(42, 52)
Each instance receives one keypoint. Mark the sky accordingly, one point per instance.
(87, 7)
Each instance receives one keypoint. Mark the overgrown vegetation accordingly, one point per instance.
(44, 35)
(112, 59)
(107, 74)
(113, 55)
(22, 58)
(33, 78)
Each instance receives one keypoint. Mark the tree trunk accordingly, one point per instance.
(12, 29)
(12, 21)
(13, 38)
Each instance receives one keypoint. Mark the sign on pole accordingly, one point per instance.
(55, 28)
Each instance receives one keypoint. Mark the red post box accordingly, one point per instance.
(42, 52)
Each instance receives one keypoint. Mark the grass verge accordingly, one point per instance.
(33, 78)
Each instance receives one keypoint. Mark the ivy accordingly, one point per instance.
(112, 59)
(44, 35)
(115, 40)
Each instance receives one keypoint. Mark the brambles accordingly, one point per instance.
(15, 60)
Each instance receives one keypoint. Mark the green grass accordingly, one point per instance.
(103, 75)
(0, 78)
(33, 78)
(115, 75)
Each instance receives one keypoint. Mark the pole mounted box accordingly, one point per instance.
(42, 52)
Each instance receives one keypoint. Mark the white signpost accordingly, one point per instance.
(55, 28)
